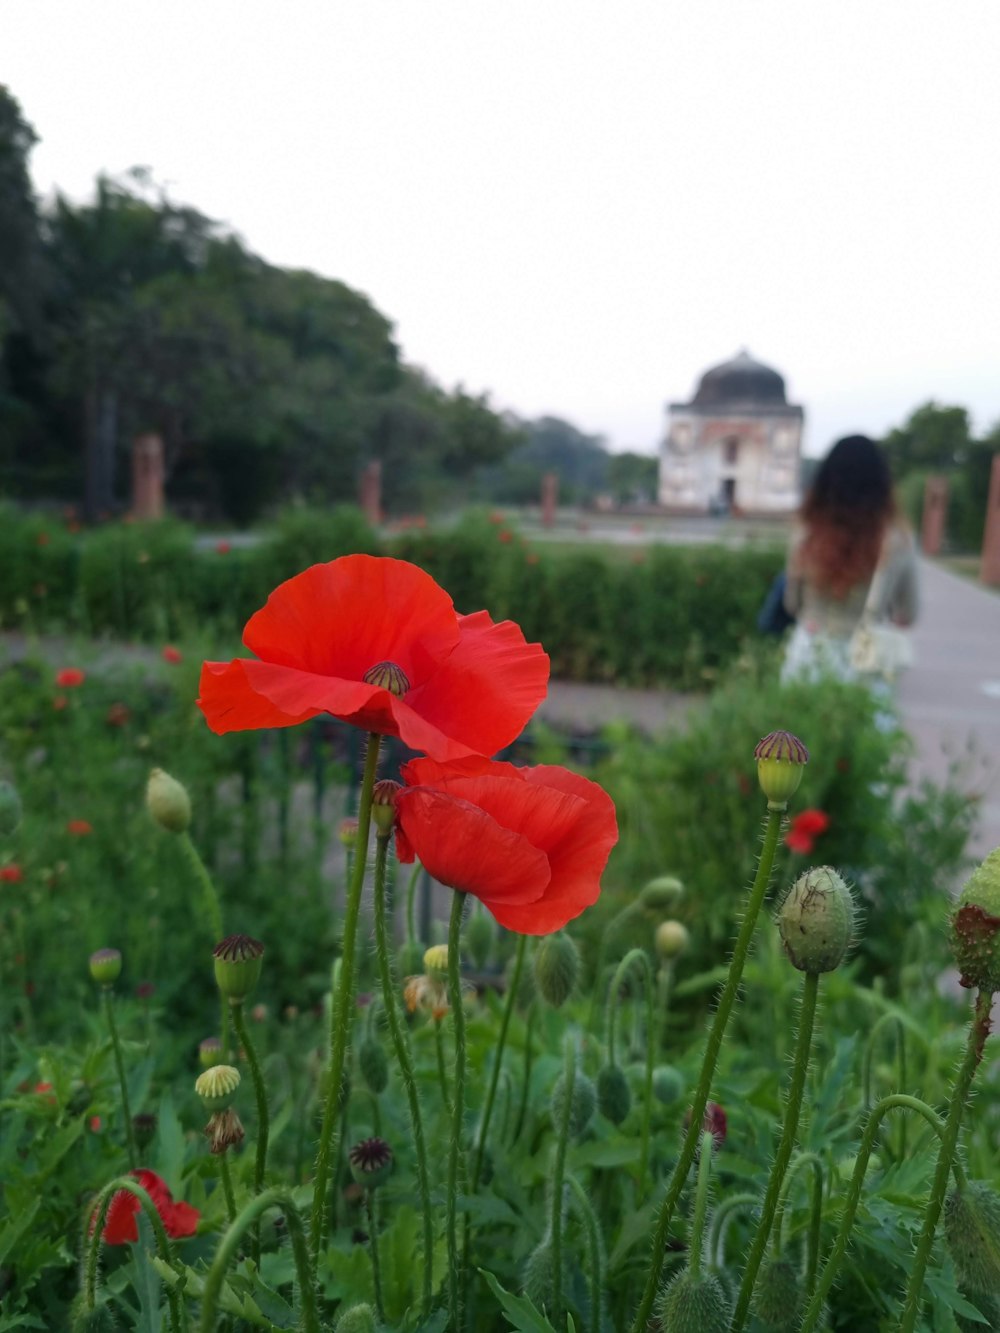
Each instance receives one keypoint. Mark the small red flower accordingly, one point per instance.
(172, 655)
(12, 874)
(505, 535)
(95, 1124)
(118, 715)
(80, 828)
(375, 642)
(70, 677)
(60, 702)
(530, 843)
(223, 547)
(806, 828)
(179, 1219)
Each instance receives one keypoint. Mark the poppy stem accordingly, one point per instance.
(342, 1003)
(94, 1226)
(696, 1239)
(458, 1110)
(898, 1099)
(559, 1172)
(400, 1042)
(109, 1012)
(636, 958)
(594, 1250)
(227, 1186)
(373, 1245)
(720, 1022)
(491, 1092)
(263, 1116)
(213, 909)
(789, 1130)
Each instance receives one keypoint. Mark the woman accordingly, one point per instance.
(852, 563)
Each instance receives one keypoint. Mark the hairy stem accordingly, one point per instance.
(594, 1257)
(697, 1236)
(458, 1111)
(213, 910)
(109, 1012)
(558, 1173)
(491, 1092)
(94, 1226)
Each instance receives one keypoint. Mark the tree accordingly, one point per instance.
(933, 437)
(20, 243)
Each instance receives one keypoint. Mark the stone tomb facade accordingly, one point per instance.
(735, 447)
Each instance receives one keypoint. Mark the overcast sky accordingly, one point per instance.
(577, 206)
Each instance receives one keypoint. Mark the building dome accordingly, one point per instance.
(741, 381)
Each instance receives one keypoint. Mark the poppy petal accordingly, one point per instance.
(180, 1219)
(341, 618)
(465, 848)
(230, 703)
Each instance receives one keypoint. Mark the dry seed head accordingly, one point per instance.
(217, 1087)
(238, 960)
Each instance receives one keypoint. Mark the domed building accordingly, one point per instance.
(735, 446)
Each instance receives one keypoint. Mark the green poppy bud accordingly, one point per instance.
(238, 960)
(539, 1274)
(384, 806)
(781, 760)
(816, 920)
(106, 966)
(371, 1162)
(209, 1051)
(778, 1296)
(582, 1106)
(436, 962)
(358, 1319)
(614, 1099)
(373, 1065)
(168, 802)
(671, 939)
(479, 937)
(694, 1305)
(100, 1319)
(975, 927)
(668, 1084)
(661, 893)
(217, 1087)
(556, 967)
(10, 809)
(972, 1230)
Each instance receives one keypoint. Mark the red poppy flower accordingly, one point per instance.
(69, 677)
(377, 643)
(806, 828)
(12, 874)
(179, 1219)
(172, 655)
(80, 828)
(530, 843)
(223, 547)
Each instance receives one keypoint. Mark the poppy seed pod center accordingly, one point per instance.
(388, 676)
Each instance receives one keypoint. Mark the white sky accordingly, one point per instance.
(578, 205)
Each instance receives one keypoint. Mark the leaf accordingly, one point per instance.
(145, 1279)
(194, 1286)
(170, 1145)
(16, 1228)
(520, 1311)
(57, 1149)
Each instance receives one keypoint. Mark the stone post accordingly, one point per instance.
(989, 569)
(550, 495)
(934, 515)
(371, 492)
(147, 477)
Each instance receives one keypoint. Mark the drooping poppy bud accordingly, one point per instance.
(614, 1099)
(373, 1065)
(358, 1319)
(582, 1105)
(668, 1084)
(781, 760)
(694, 1305)
(972, 1230)
(168, 802)
(556, 967)
(778, 1296)
(816, 921)
(671, 939)
(661, 893)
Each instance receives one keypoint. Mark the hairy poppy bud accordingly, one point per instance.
(661, 893)
(217, 1087)
(479, 937)
(100, 1319)
(106, 966)
(582, 1105)
(168, 802)
(975, 927)
(373, 1065)
(557, 967)
(781, 759)
(238, 960)
(816, 920)
(539, 1272)
(10, 809)
(671, 939)
(614, 1100)
(358, 1319)
(694, 1305)
(384, 806)
(668, 1085)
(778, 1296)
(972, 1230)
(371, 1162)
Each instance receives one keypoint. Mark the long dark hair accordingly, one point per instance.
(846, 513)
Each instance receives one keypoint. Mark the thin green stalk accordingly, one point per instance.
(631, 909)
(529, 1031)
(411, 895)
(595, 1262)
(807, 1015)
(94, 1226)
(697, 1236)
(227, 1185)
(558, 1172)
(401, 1046)
(720, 1224)
(109, 1011)
(637, 958)
(713, 1045)
(509, 1002)
(449, 1105)
(458, 1110)
(799, 1161)
(213, 910)
(260, 1091)
(373, 1242)
(815, 1307)
(978, 1032)
(866, 1076)
(343, 1002)
(229, 1245)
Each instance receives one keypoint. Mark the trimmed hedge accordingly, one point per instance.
(664, 615)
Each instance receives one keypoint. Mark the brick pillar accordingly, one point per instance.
(147, 477)
(550, 494)
(371, 492)
(989, 569)
(934, 515)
